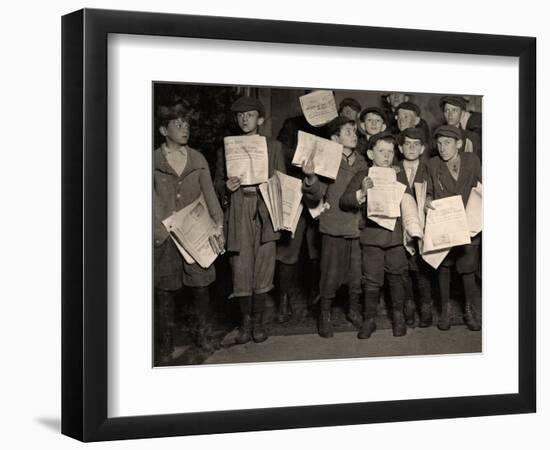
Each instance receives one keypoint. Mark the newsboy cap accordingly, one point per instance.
(247, 103)
(448, 131)
(413, 133)
(333, 127)
(409, 106)
(375, 110)
(454, 100)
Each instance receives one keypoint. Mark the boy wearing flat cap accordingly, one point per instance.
(181, 175)
(455, 173)
(340, 251)
(413, 169)
(382, 250)
(371, 121)
(456, 115)
(407, 115)
(251, 241)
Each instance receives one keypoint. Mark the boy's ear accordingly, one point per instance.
(383, 127)
(370, 154)
(459, 144)
(335, 138)
(400, 149)
(163, 131)
(406, 98)
(261, 120)
(417, 120)
(422, 148)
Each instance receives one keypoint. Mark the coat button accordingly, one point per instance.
(178, 196)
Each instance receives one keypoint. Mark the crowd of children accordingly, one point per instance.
(344, 247)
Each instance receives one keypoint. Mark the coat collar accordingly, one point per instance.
(161, 163)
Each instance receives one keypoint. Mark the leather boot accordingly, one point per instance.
(444, 289)
(425, 291)
(397, 293)
(259, 333)
(370, 308)
(470, 297)
(324, 323)
(410, 307)
(245, 330)
(203, 331)
(165, 326)
(354, 312)
(283, 313)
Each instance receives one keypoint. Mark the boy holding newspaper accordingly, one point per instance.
(181, 177)
(377, 194)
(455, 173)
(251, 160)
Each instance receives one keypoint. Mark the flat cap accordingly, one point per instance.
(448, 131)
(247, 103)
(375, 110)
(454, 100)
(333, 127)
(382, 136)
(409, 106)
(413, 133)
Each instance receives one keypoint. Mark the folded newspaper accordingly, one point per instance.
(282, 195)
(194, 233)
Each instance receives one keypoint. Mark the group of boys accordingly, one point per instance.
(344, 246)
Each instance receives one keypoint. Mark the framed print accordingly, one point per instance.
(267, 224)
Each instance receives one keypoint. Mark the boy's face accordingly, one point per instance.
(382, 154)
(373, 124)
(396, 98)
(347, 136)
(412, 149)
(177, 131)
(448, 147)
(452, 114)
(349, 113)
(406, 119)
(249, 121)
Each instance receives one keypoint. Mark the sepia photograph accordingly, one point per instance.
(308, 224)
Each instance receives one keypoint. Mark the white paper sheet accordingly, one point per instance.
(384, 198)
(282, 195)
(246, 158)
(474, 210)
(319, 107)
(327, 154)
(446, 225)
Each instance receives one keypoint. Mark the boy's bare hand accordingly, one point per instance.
(233, 183)
(308, 168)
(366, 184)
(428, 205)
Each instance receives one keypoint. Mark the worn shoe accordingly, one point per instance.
(367, 328)
(398, 325)
(324, 325)
(445, 317)
(470, 318)
(259, 333)
(245, 331)
(426, 318)
(410, 309)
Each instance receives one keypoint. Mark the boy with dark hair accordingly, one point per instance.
(456, 173)
(371, 121)
(251, 240)
(349, 108)
(456, 115)
(181, 175)
(382, 249)
(407, 115)
(340, 252)
(412, 144)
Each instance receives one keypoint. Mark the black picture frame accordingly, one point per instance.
(84, 224)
